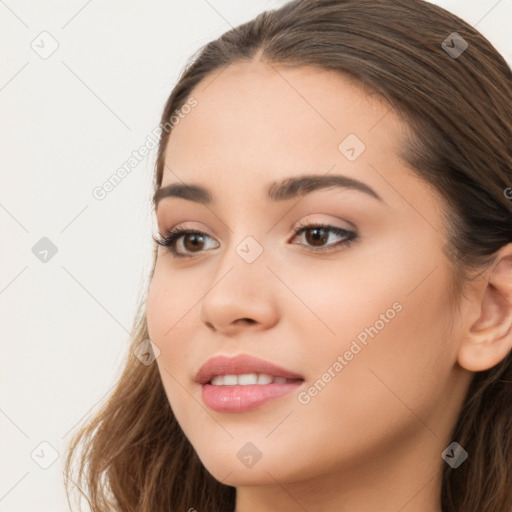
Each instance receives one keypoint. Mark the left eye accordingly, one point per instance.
(192, 240)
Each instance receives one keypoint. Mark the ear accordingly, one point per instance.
(488, 338)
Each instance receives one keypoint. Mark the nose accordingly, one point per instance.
(242, 297)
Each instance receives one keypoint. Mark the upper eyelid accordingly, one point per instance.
(295, 227)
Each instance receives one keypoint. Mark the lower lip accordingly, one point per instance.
(244, 398)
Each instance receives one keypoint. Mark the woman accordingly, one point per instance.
(330, 306)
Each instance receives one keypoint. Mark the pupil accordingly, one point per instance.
(319, 235)
(194, 237)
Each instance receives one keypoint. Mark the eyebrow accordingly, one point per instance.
(286, 189)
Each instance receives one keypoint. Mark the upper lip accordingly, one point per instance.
(240, 364)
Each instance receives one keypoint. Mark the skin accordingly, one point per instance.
(372, 438)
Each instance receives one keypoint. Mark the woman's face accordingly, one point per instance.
(367, 325)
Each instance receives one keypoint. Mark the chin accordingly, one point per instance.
(237, 475)
(232, 465)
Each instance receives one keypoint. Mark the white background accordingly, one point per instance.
(68, 123)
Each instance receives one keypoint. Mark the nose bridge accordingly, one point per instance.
(247, 237)
(243, 266)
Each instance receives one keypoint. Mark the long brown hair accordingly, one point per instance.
(132, 454)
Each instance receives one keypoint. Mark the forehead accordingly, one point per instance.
(257, 111)
(246, 106)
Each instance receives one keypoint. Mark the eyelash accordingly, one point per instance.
(172, 236)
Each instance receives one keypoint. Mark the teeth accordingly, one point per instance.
(243, 380)
(230, 380)
(263, 378)
(218, 380)
(246, 379)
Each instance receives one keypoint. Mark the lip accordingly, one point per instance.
(238, 398)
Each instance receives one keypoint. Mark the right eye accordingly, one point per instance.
(174, 236)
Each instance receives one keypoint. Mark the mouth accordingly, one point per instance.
(243, 383)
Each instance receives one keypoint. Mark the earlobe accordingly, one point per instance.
(488, 339)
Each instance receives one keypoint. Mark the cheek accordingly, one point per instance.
(403, 357)
(334, 303)
(164, 331)
(391, 327)
(171, 320)
(168, 305)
